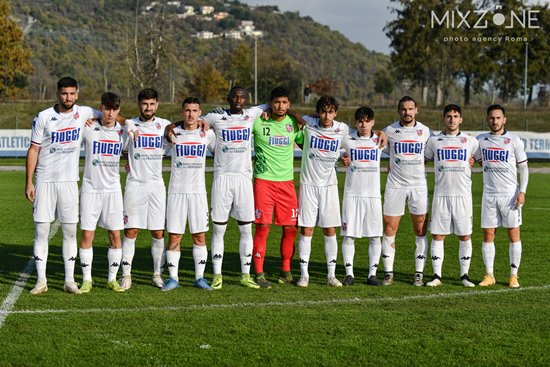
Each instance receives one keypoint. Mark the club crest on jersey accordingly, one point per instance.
(289, 128)
(158, 126)
(323, 143)
(76, 116)
(202, 134)
(66, 135)
(148, 141)
(364, 154)
(452, 154)
(408, 147)
(495, 155)
(506, 141)
(463, 140)
(419, 132)
(190, 149)
(107, 148)
(279, 141)
(236, 134)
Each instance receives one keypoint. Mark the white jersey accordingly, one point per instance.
(406, 150)
(59, 136)
(500, 155)
(189, 159)
(103, 149)
(233, 140)
(145, 154)
(451, 155)
(363, 174)
(321, 151)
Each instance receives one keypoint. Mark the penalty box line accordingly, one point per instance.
(337, 301)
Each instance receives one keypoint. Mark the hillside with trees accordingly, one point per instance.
(199, 47)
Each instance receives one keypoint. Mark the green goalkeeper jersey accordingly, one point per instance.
(274, 149)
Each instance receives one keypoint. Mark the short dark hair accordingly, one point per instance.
(363, 112)
(190, 100)
(110, 100)
(496, 107)
(279, 92)
(452, 107)
(148, 93)
(66, 82)
(236, 88)
(405, 99)
(326, 101)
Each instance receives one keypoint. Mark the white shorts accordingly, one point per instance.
(499, 211)
(183, 207)
(105, 210)
(319, 206)
(145, 206)
(451, 214)
(361, 217)
(56, 200)
(232, 195)
(394, 201)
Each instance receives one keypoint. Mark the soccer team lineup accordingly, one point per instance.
(259, 191)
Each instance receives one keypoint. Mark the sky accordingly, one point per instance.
(359, 20)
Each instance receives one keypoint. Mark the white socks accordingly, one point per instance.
(420, 253)
(173, 261)
(375, 248)
(488, 254)
(114, 257)
(348, 252)
(200, 255)
(128, 251)
(217, 247)
(515, 257)
(437, 252)
(69, 249)
(157, 250)
(304, 251)
(245, 247)
(86, 258)
(388, 253)
(331, 253)
(464, 256)
(41, 233)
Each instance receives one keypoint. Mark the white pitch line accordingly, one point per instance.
(420, 297)
(15, 292)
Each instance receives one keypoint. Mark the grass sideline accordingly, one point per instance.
(360, 325)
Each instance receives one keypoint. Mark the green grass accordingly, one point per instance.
(285, 326)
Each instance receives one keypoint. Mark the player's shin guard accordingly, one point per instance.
(260, 242)
(128, 251)
(245, 247)
(331, 254)
(515, 257)
(114, 256)
(217, 247)
(388, 253)
(173, 262)
(420, 253)
(41, 232)
(464, 256)
(488, 254)
(287, 246)
(86, 258)
(304, 251)
(375, 249)
(69, 249)
(437, 252)
(348, 252)
(157, 250)
(200, 255)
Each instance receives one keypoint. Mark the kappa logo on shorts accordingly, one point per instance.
(258, 213)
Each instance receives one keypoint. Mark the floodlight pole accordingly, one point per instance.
(255, 70)
(525, 77)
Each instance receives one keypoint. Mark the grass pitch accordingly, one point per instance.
(399, 325)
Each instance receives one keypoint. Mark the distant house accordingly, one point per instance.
(206, 10)
(188, 9)
(237, 35)
(221, 15)
(205, 35)
(177, 4)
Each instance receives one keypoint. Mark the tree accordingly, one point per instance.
(15, 57)
(208, 83)
(383, 83)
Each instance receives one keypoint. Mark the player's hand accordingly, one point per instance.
(520, 200)
(90, 122)
(299, 119)
(266, 115)
(382, 139)
(127, 167)
(471, 160)
(346, 160)
(169, 133)
(29, 192)
(203, 125)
